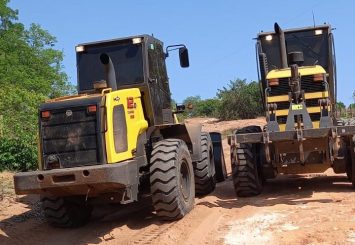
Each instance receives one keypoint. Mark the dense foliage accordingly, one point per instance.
(30, 72)
(230, 102)
(199, 107)
(340, 105)
(240, 100)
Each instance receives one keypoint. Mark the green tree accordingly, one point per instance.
(341, 109)
(30, 73)
(197, 107)
(191, 104)
(239, 100)
(208, 107)
(340, 105)
(7, 15)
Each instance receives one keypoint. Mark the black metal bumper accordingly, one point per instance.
(267, 137)
(96, 180)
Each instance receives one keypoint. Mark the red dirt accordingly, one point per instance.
(306, 209)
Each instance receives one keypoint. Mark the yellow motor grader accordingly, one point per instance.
(297, 73)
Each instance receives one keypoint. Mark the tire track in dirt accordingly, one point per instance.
(192, 229)
(151, 234)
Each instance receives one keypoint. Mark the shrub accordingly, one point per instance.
(240, 100)
(16, 155)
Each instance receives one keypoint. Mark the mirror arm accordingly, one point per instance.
(173, 47)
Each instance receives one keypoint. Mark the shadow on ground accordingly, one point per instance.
(30, 227)
(289, 190)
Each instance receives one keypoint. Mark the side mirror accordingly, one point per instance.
(184, 57)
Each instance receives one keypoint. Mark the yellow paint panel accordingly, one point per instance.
(279, 98)
(314, 109)
(283, 126)
(176, 120)
(282, 98)
(135, 121)
(39, 154)
(316, 95)
(304, 71)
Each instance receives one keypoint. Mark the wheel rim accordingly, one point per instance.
(185, 180)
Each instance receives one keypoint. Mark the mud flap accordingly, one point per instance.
(194, 132)
(189, 133)
(220, 165)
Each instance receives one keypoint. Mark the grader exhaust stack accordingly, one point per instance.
(283, 54)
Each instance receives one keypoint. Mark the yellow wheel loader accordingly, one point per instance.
(117, 139)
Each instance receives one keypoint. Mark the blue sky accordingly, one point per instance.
(219, 34)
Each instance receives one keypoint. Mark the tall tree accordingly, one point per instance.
(30, 72)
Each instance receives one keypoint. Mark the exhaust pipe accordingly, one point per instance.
(283, 54)
(110, 75)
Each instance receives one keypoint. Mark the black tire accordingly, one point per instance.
(350, 168)
(66, 212)
(219, 162)
(246, 166)
(204, 170)
(171, 179)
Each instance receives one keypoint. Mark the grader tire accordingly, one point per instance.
(66, 212)
(204, 170)
(171, 179)
(350, 168)
(246, 170)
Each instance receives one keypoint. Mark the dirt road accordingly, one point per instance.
(307, 209)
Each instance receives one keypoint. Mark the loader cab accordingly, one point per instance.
(133, 62)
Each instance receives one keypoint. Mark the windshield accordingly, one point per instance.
(127, 60)
(315, 48)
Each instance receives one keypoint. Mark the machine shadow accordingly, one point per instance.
(290, 190)
(30, 227)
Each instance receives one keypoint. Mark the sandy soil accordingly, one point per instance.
(307, 209)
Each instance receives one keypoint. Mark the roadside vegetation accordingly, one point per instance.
(229, 104)
(30, 72)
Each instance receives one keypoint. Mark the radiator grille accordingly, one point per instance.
(70, 135)
(307, 84)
